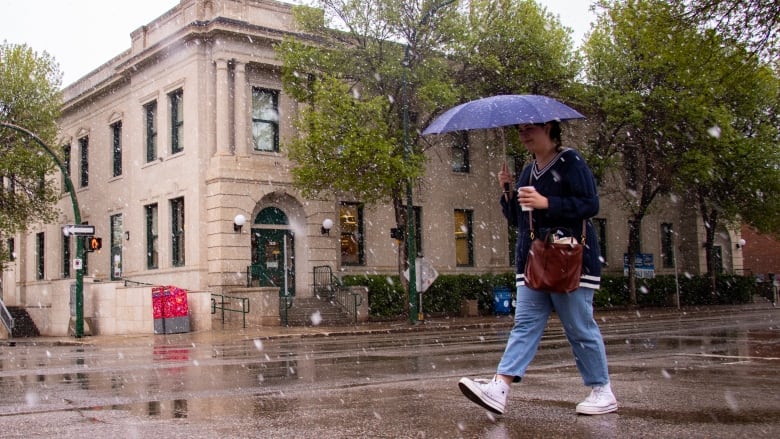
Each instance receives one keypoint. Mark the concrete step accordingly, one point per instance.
(314, 311)
(24, 326)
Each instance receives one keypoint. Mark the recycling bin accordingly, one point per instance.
(502, 300)
(171, 311)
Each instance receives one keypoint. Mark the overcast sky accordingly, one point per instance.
(83, 34)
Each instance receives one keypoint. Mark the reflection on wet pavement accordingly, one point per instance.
(402, 384)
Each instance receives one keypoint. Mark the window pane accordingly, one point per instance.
(116, 133)
(152, 250)
(84, 148)
(40, 248)
(116, 246)
(177, 121)
(264, 135)
(150, 111)
(601, 232)
(66, 163)
(265, 119)
(66, 256)
(464, 247)
(177, 232)
(667, 245)
(351, 226)
(460, 154)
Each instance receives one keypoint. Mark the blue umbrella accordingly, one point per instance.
(500, 111)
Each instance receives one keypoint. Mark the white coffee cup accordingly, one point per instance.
(527, 189)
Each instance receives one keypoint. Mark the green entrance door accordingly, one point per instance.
(274, 256)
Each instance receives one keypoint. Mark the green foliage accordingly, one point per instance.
(348, 149)
(514, 46)
(670, 95)
(661, 291)
(386, 296)
(30, 98)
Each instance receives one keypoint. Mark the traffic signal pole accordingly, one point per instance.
(79, 329)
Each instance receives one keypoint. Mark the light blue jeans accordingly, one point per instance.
(575, 311)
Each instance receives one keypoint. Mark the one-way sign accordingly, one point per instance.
(78, 230)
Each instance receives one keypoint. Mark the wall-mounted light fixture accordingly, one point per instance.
(327, 224)
(127, 235)
(741, 243)
(238, 223)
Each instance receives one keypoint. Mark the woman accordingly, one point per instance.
(563, 194)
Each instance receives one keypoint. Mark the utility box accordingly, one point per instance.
(171, 311)
(502, 301)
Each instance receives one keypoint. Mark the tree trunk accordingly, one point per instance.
(634, 239)
(403, 253)
(710, 218)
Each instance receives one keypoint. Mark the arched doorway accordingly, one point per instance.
(273, 250)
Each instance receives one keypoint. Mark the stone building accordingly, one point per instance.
(174, 150)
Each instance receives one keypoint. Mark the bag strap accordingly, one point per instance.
(531, 218)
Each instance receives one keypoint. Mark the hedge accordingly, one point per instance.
(387, 298)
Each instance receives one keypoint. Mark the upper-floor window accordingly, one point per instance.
(177, 232)
(66, 162)
(464, 238)
(176, 100)
(265, 119)
(84, 163)
(150, 135)
(116, 148)
(460, 153)
(351, 226)
(152, 246)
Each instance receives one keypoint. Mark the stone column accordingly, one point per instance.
(241, 109)
(222, 116)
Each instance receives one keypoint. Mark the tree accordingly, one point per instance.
(514, 46)
(358, 66)
(662, 87)
(29, 97)
(734, 173)
(753, 22)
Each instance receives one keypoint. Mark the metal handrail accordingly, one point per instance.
(137, 283)
(244, 310)
(343, 297)
(6, 317)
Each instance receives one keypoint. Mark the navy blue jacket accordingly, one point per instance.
(570, 188)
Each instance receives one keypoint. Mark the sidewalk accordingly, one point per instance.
(234, 332)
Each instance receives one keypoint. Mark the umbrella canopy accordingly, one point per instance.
(500, 111)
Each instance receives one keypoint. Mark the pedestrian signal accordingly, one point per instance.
(94, 243)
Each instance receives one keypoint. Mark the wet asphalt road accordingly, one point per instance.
(711, 373)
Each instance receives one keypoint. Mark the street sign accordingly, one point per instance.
(78, 230)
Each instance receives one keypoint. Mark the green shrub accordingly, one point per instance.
(387, 298)
(661, 291)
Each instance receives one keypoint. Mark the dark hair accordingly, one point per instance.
(555, 133)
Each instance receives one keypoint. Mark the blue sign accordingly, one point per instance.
(643, 265)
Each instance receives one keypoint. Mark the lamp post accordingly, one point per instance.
(415, 313)
(79, 329)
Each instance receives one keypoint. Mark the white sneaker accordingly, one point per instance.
(600, 401)
(490, 394)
